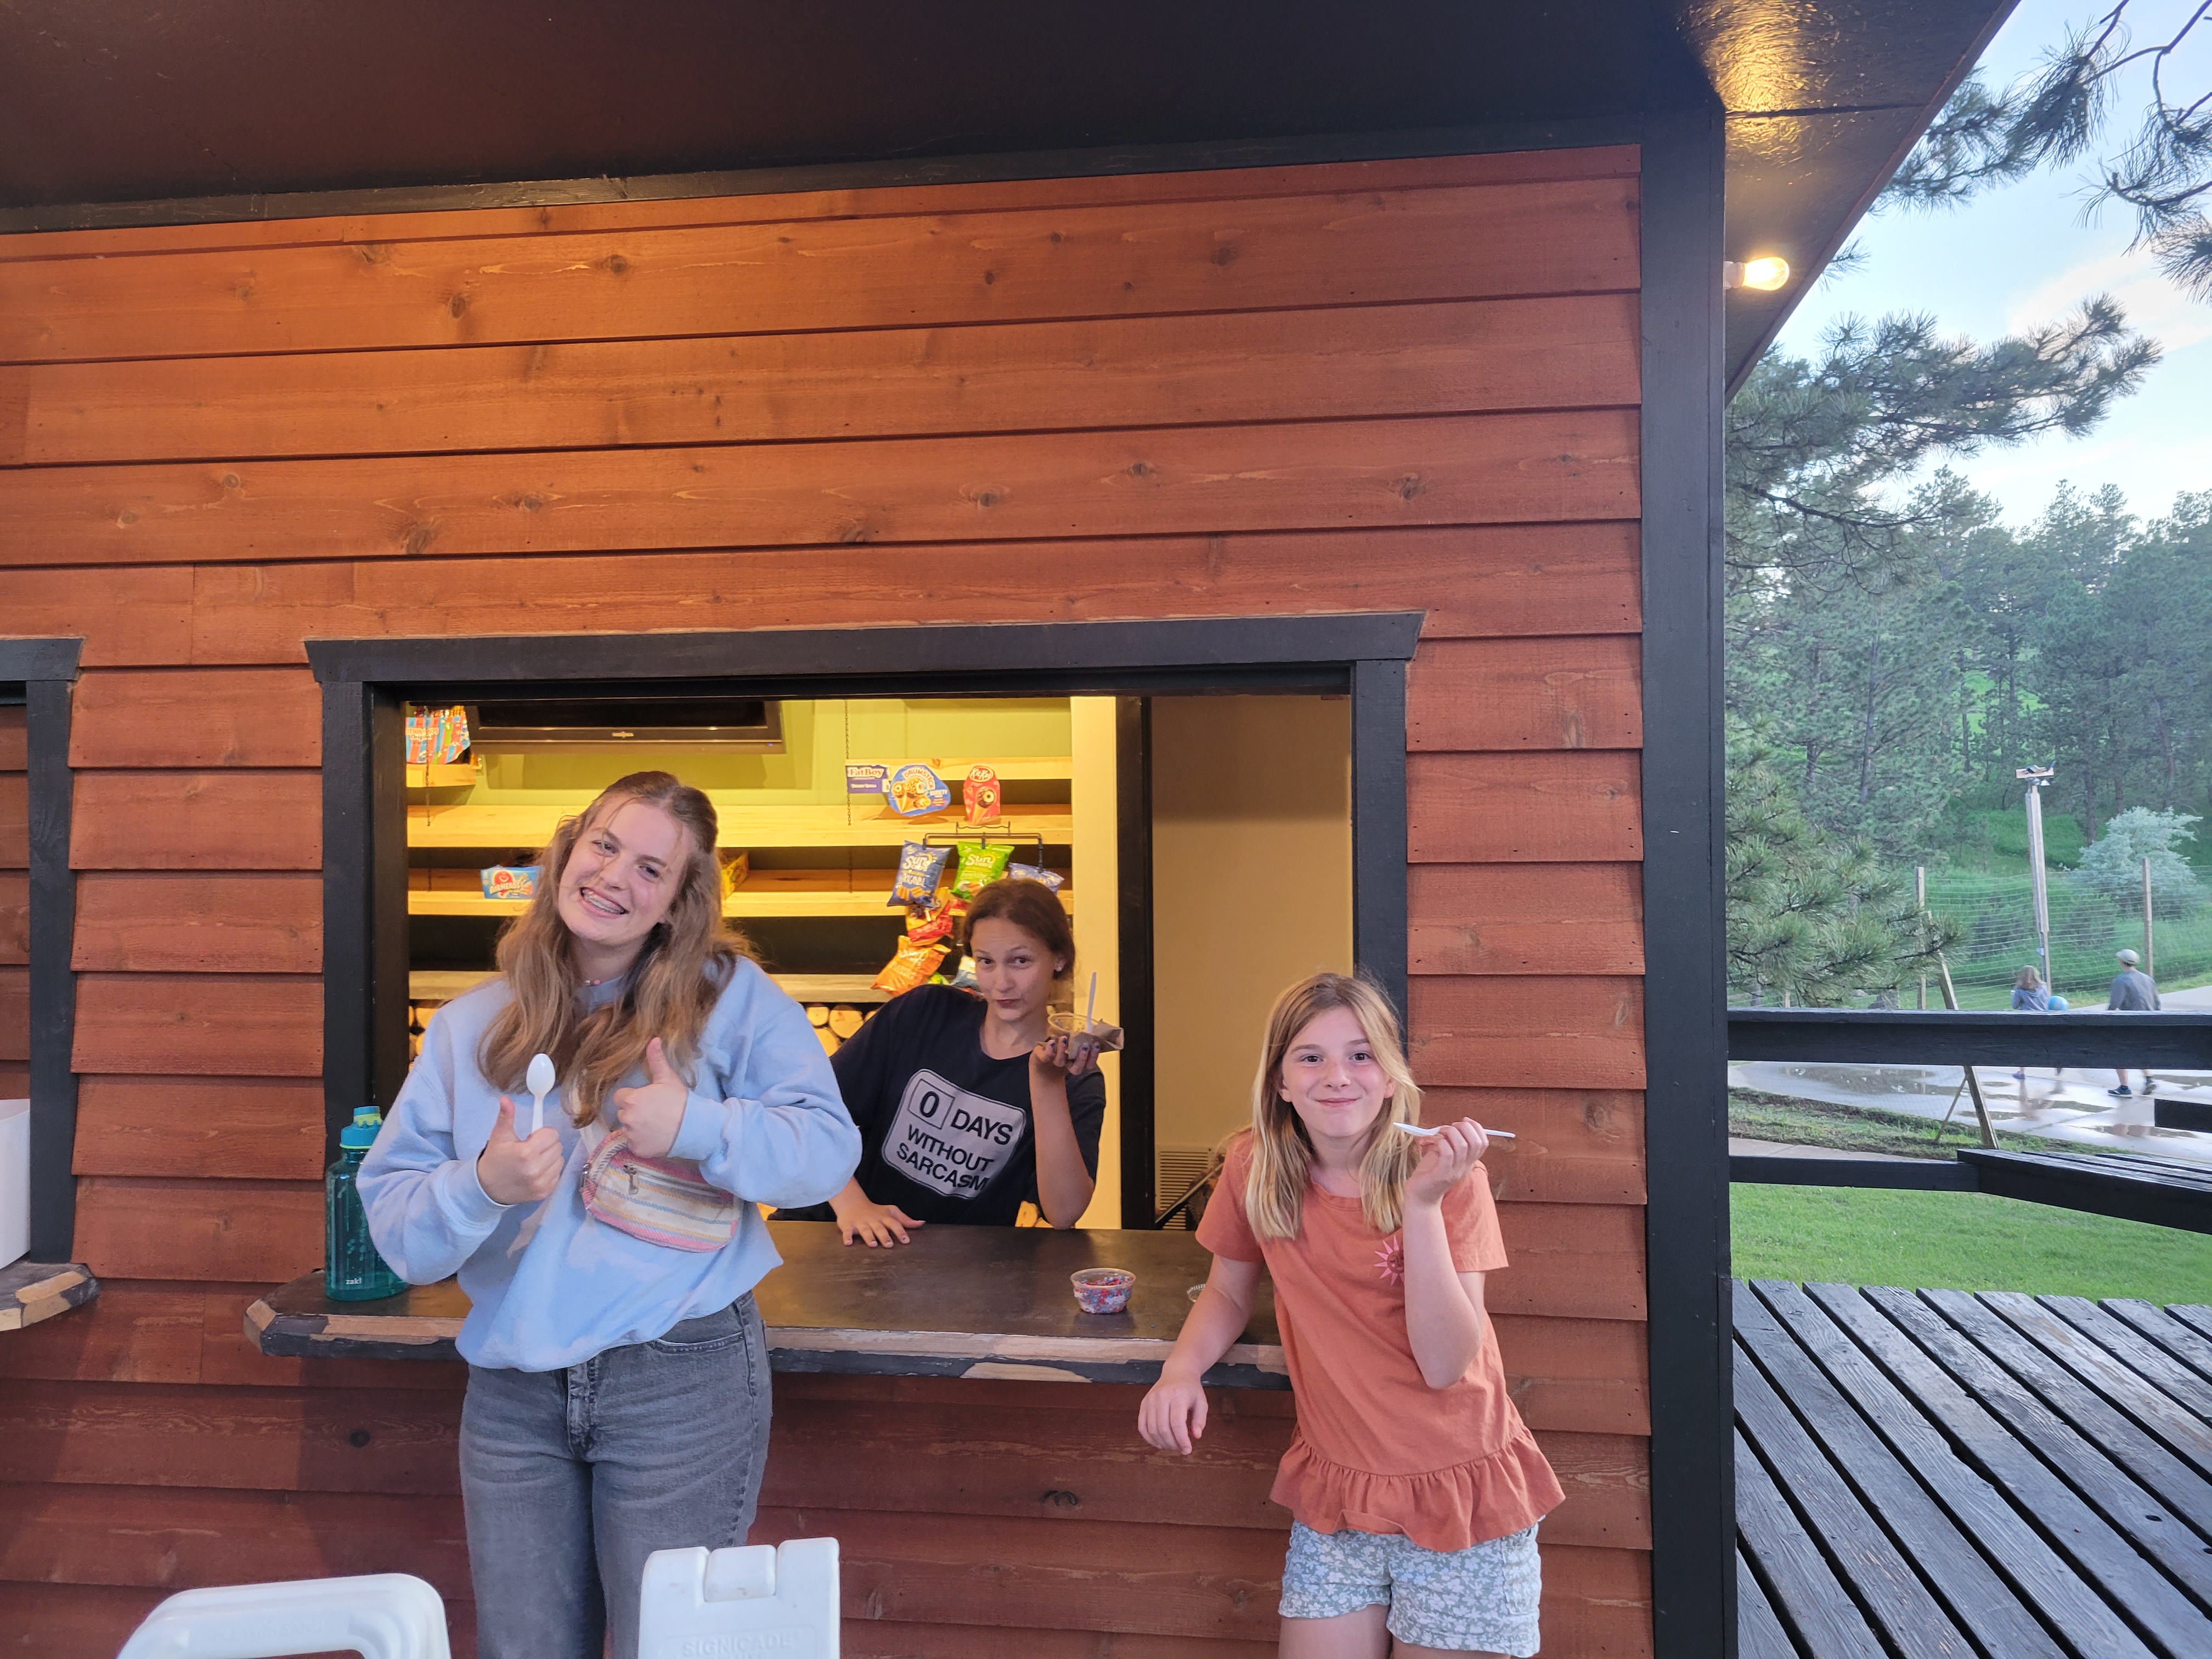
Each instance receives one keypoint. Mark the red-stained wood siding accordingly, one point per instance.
(1406, 385)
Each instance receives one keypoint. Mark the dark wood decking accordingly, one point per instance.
(2003, 1476)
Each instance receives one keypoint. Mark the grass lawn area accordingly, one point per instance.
(1862, 1129)
(1961, 1242)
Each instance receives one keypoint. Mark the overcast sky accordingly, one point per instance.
(2024, 255)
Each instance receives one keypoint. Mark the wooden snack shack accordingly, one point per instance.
(1281, 446)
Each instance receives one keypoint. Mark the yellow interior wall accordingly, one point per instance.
(1098, 919)
(819, 736)
(1251, 888)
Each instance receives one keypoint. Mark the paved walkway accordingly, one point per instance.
(2069, 1105)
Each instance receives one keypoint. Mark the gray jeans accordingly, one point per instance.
(570, 1479)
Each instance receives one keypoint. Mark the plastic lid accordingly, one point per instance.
(361, 1135)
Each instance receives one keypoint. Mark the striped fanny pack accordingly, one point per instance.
(662, 1201)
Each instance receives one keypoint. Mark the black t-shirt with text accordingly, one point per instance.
(944, 1129)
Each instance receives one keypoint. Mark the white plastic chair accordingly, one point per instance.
(386, 1616)
(781, 1601)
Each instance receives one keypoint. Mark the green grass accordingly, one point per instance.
(1862, 1129)
(1961, 1242)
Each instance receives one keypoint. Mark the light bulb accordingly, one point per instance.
(1766, 273)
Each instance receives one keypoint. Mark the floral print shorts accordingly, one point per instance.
(1479, 1600)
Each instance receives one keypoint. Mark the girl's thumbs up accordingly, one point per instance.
(652, 1113)
(503, 1128)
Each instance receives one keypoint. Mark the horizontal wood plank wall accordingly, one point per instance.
(1387, 386)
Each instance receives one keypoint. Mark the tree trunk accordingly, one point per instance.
(1866, 729)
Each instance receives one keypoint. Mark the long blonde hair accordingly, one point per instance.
(1282, 1156)
(671, 988)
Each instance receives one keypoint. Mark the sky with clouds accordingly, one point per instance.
(2028, 253)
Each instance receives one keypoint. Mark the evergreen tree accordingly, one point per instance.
(1814, 920)
(2111, 867)
(2056, 115)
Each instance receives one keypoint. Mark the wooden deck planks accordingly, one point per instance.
(1914, 1428)
(2046, 1404)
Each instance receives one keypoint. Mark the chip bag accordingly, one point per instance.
(1051, 878)
(920, 867)
(925, 926)
(912, 965)
(981, 864)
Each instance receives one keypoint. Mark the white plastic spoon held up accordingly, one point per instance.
(1415, 1129)
(539, 1080)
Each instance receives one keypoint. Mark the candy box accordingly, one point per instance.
(913, 789)
(736, 866)
(981, 795)
(516, 882)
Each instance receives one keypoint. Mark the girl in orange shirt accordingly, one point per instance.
(1414, 1487)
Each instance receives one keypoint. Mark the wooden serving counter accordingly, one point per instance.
(958, 1301)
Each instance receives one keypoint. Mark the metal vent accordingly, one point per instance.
(1173, 1169)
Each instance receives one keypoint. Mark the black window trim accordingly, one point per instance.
(46, 672)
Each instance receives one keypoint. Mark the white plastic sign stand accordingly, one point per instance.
(780, 1603)
(386, 1615)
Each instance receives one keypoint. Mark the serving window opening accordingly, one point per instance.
(1200, 844)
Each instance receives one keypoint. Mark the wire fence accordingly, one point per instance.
(1996, 918)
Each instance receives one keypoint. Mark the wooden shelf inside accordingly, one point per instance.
(532, 826)
(765, 893)
(954, 769)
(437, 985)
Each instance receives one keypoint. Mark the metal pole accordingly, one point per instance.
(1920, 898)
(2150, 957)
(2036, 877)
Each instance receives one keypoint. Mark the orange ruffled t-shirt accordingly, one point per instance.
(1376, 1449)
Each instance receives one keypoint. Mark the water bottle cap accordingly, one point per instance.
(361, 1134)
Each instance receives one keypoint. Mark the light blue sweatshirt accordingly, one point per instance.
(549, 1286)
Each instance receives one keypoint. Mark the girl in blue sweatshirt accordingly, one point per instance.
(618, 1385)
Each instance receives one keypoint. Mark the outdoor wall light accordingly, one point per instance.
(1765, 274)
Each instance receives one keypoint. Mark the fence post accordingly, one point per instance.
(1920, 898)
(2150, 957)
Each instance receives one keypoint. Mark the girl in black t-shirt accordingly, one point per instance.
(967, 1105)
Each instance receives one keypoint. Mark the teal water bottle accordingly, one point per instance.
(352, 1270)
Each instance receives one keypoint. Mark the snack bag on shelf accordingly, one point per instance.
(517, 882)
(920, 867)
(912, 966)
(981, 863)
(1051, 878)
(736, 866)
(928, 926)
(981, 794)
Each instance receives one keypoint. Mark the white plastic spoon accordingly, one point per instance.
(1415, 1129)
(539, 1080)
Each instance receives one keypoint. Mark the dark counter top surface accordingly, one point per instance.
(957, 1302)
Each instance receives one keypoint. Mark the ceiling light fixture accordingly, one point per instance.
(1765, 274)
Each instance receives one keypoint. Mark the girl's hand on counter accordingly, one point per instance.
(1065, 1057)
(1173, 1416)
(652, 1113)
(876, 1223)
(515, 1171)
